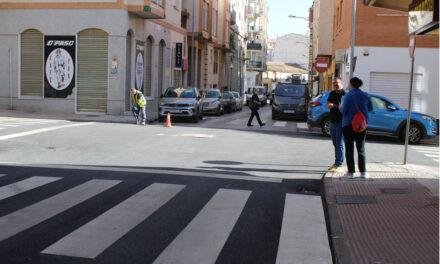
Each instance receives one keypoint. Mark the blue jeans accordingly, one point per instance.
(338, 142)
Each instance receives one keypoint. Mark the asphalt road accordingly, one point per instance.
(215, 192)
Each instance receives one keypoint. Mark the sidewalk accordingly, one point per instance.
(391, 218)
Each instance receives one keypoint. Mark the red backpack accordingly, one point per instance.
(359, 122)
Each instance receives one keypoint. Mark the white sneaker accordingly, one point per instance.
(365, 175)
(348, 175)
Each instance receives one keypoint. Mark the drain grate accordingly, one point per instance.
(395, 191)
(355, 199)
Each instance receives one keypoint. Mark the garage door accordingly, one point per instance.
(92, 71)
(395, 86)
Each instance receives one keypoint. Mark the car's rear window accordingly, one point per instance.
(290, 90)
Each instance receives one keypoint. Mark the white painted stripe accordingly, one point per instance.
(425, 148)
(431, 155)
(1, 175)
(437, 160)
(27, 217)
(93, 238)
(177, 171)
(25, 185)
(279, 124)
(302, 125)
(303, 233)
(41, 130)
(203, 239)
(8, 125)
(428, 151)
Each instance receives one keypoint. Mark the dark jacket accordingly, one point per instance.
(356, 100)
(255, 102)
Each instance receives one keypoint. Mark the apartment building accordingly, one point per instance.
(382, 55)
(82, 56)
(256, 47)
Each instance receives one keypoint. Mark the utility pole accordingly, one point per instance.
(193, 63)
(353, 38)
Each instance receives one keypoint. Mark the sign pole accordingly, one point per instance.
(412, 46)
(353, 38)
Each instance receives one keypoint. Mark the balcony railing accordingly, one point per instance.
(254, 64)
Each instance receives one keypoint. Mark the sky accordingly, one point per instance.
(280, 24)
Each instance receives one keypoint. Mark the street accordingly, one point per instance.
(213, 192)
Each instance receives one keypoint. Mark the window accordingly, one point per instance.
(378, 103)
(205, 16)
(214, 22)
(31, 64)
(215, 62)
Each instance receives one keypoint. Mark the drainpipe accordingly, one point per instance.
(10, 79)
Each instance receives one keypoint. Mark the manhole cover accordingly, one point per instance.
(355, 199)
(395, 191)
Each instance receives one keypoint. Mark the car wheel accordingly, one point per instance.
(415, 134)
(161, 119)
(325, 126)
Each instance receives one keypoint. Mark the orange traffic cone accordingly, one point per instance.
(168, 120)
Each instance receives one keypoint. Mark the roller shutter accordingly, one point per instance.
(395, 86)
(92, 71)
(31, 66)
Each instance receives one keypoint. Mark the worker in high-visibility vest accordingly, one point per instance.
(138, 103)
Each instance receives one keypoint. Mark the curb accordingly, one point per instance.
(340, 252)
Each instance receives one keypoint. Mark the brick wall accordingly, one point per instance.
(377, 27)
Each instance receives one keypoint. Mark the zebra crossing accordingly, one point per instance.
(303, 235)
(429, 152)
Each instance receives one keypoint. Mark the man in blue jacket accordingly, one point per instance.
(354, 101)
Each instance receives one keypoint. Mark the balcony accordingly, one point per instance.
(147, 9)
(254, 65)
(254, 46)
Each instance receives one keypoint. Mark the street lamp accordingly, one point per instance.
(292, 16)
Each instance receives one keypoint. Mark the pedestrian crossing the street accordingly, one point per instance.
(432, 153)
(201, 240)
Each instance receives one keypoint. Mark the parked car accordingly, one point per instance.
(290, 101)
(261, 94)
(229, 101)
(387, 118)
(213, 102)
(238, 101)
(181, 102)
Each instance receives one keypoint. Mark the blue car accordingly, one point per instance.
(387, 118)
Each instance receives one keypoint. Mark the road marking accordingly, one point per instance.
(41, 130)
(170, 171)
(93, 238)
(194, 135)
(27, 217)
(25, 185)
(1, 175)
(203, 239)
(437, 160)
(302, 125)
(424, 148)
(303, 225)
(431, 155)
(428, 151)
(279, 124)
(8, 125)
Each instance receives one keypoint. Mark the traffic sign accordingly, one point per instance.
(321, 64)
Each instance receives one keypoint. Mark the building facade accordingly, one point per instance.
(382, 55)
(256, 47)
(86, 55)
(322, 38)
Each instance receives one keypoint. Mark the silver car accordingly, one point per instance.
(213, 102)
(181, 102)
(238, 101)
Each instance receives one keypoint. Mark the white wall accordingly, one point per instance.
(397, 60)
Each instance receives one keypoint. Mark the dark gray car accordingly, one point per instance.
(289, 101)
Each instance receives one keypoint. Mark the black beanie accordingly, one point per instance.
(356, 82)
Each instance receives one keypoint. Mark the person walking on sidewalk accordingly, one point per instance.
(333, 103)
(254, 105)
(354, 111)
(138, 103)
